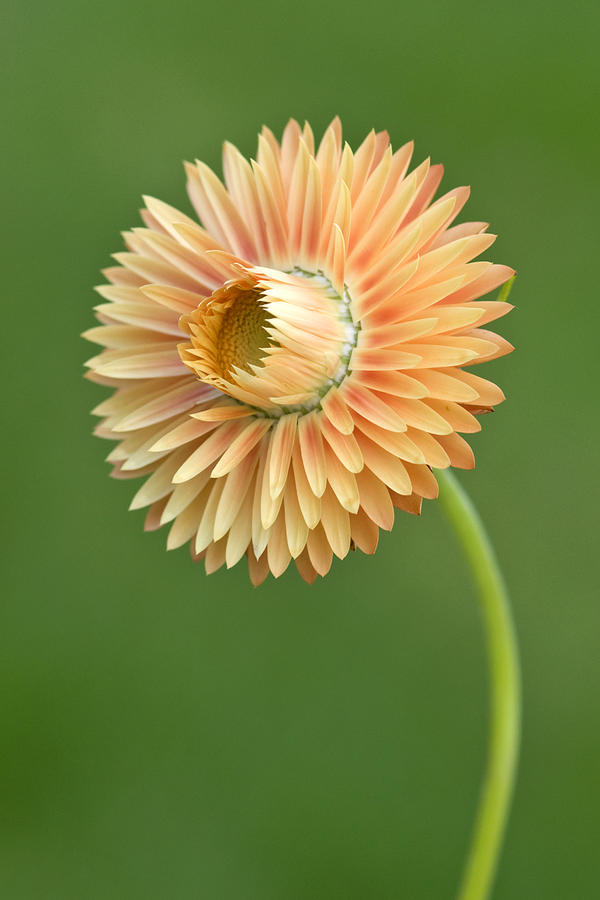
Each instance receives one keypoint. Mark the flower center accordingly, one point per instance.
(277, 341)
(242, 336)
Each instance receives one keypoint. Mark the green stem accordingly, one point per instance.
(503, 662)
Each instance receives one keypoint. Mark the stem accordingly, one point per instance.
(503, 662)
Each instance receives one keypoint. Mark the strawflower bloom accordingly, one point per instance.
(288, 372)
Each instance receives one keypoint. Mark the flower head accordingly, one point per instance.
(290, 370)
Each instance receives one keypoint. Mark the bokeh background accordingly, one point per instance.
(165, 734)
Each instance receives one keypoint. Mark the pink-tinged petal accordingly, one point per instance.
(433, 221)
(375, 499)
(398, 169)
(267, 142)
(367, 202)
(444, 386)
(457, 417)
(167, 216)
(390, 335)
(152, 270)
(151, 222)
(258, 569)
(241, 185)
(385, 466)
(186, 523)
(382, 142)
(160, 483)
(397, 383)
(364, 532)
(362, 164)
(188, 431)
(338, 259)
(343, 482)
(371, 407)
(268, 160)
(457, 232)
(492, 278)
(386, 222)
(282, 444)
(456, 318)
(121, 277)
(420, 414)
(181, 302)
(336, 410)
(309, 503)
(210, 450)
(336, 524)
(319, 550)
(305, 568)
(218, 209)
(459, 452)
(171, 403)
(434, 453)
(383, 360)
(492, 310)
(411, 504)
(275, 219)
(488, 393)
(142, 314)
(424, 481)
(490, 345)
(153, 364)
(343, 445)
(237, 483)
(260, 535)
(406, 304)
(241, 445)
(296, 198)
(437, 355)
(269, 506)
(278, 553)
(311, 449)
(240, 533)
(223, 411)
(427, 191)
(183, 495)
(152, 520)
(327, 161)
(204, 534)
(215, 556)
(397, 444)
(289, 149)
(386, 268)
(339, 213)
(118, 337)
(311, 219)
(296, 528)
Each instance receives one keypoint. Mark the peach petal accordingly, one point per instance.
(364, 532)
(319, 549)
(336, 524)
(241, 445)
(211, 448)
(371, 407)
(282, 444)
(309, 503)
(375, 499)
(386, 467)
(311, 449)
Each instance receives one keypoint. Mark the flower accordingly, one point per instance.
(290, 371)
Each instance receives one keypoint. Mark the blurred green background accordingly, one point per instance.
(165, 734)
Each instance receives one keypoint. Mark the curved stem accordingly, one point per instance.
(504, 691)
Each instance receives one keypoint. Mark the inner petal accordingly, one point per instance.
(273, 340)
